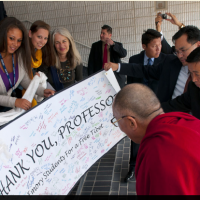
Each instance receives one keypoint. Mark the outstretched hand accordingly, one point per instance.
(109, 65)
(173, 20)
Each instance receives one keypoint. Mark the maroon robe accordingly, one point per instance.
(168, 160)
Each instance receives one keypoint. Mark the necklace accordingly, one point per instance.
(65, 74)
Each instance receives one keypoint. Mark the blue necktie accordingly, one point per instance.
(145, 81)
(149, 61)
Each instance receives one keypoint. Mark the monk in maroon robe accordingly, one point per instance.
(168, 160)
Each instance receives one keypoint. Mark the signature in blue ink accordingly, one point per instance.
(30, 181)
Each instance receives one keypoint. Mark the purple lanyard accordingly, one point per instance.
(4, 67)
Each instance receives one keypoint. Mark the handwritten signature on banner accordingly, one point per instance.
(60, 139)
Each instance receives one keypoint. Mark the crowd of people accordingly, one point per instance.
(164, 154)
(24, 53)
(164, 148)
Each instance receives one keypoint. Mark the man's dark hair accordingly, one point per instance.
(108, 28)
(194, 56)
(150, 35)
(192, 32)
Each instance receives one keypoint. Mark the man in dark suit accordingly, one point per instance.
(2, 11)
(172, 72)
(150, 38)
(106, 50)
(190, 100)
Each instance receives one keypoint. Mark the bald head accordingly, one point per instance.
(136, 99)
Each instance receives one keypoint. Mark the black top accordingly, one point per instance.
(67, 77)
(2, 11)
(166, 48)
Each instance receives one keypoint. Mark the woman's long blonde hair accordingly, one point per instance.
(73, 55)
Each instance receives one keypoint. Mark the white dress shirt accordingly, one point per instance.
(181, 81)
(161, 35)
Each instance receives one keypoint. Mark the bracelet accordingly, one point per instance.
(182, 25)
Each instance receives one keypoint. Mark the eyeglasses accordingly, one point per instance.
(176, 53)
(114, 121)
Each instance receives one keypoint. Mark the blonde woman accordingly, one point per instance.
(68, 61)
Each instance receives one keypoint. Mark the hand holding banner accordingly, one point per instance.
(112, 79)
(5, 117)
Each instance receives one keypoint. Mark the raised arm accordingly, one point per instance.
(166, 48)
(118, 48)
(181, 103)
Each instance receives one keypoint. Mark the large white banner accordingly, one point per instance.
(48, 149)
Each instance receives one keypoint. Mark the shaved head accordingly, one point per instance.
(136, 99)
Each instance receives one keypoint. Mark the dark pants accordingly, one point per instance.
(133, 154)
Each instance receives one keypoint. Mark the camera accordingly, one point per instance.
(164, 16)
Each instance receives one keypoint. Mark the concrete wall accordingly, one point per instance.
(85, 18)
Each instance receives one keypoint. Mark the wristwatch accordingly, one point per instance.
(181, 26)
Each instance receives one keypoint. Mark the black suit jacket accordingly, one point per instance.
(96, 59)
(139, 59)
(189, 101)
(166, 48)
(166, 72)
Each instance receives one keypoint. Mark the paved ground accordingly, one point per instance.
(106, 176)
